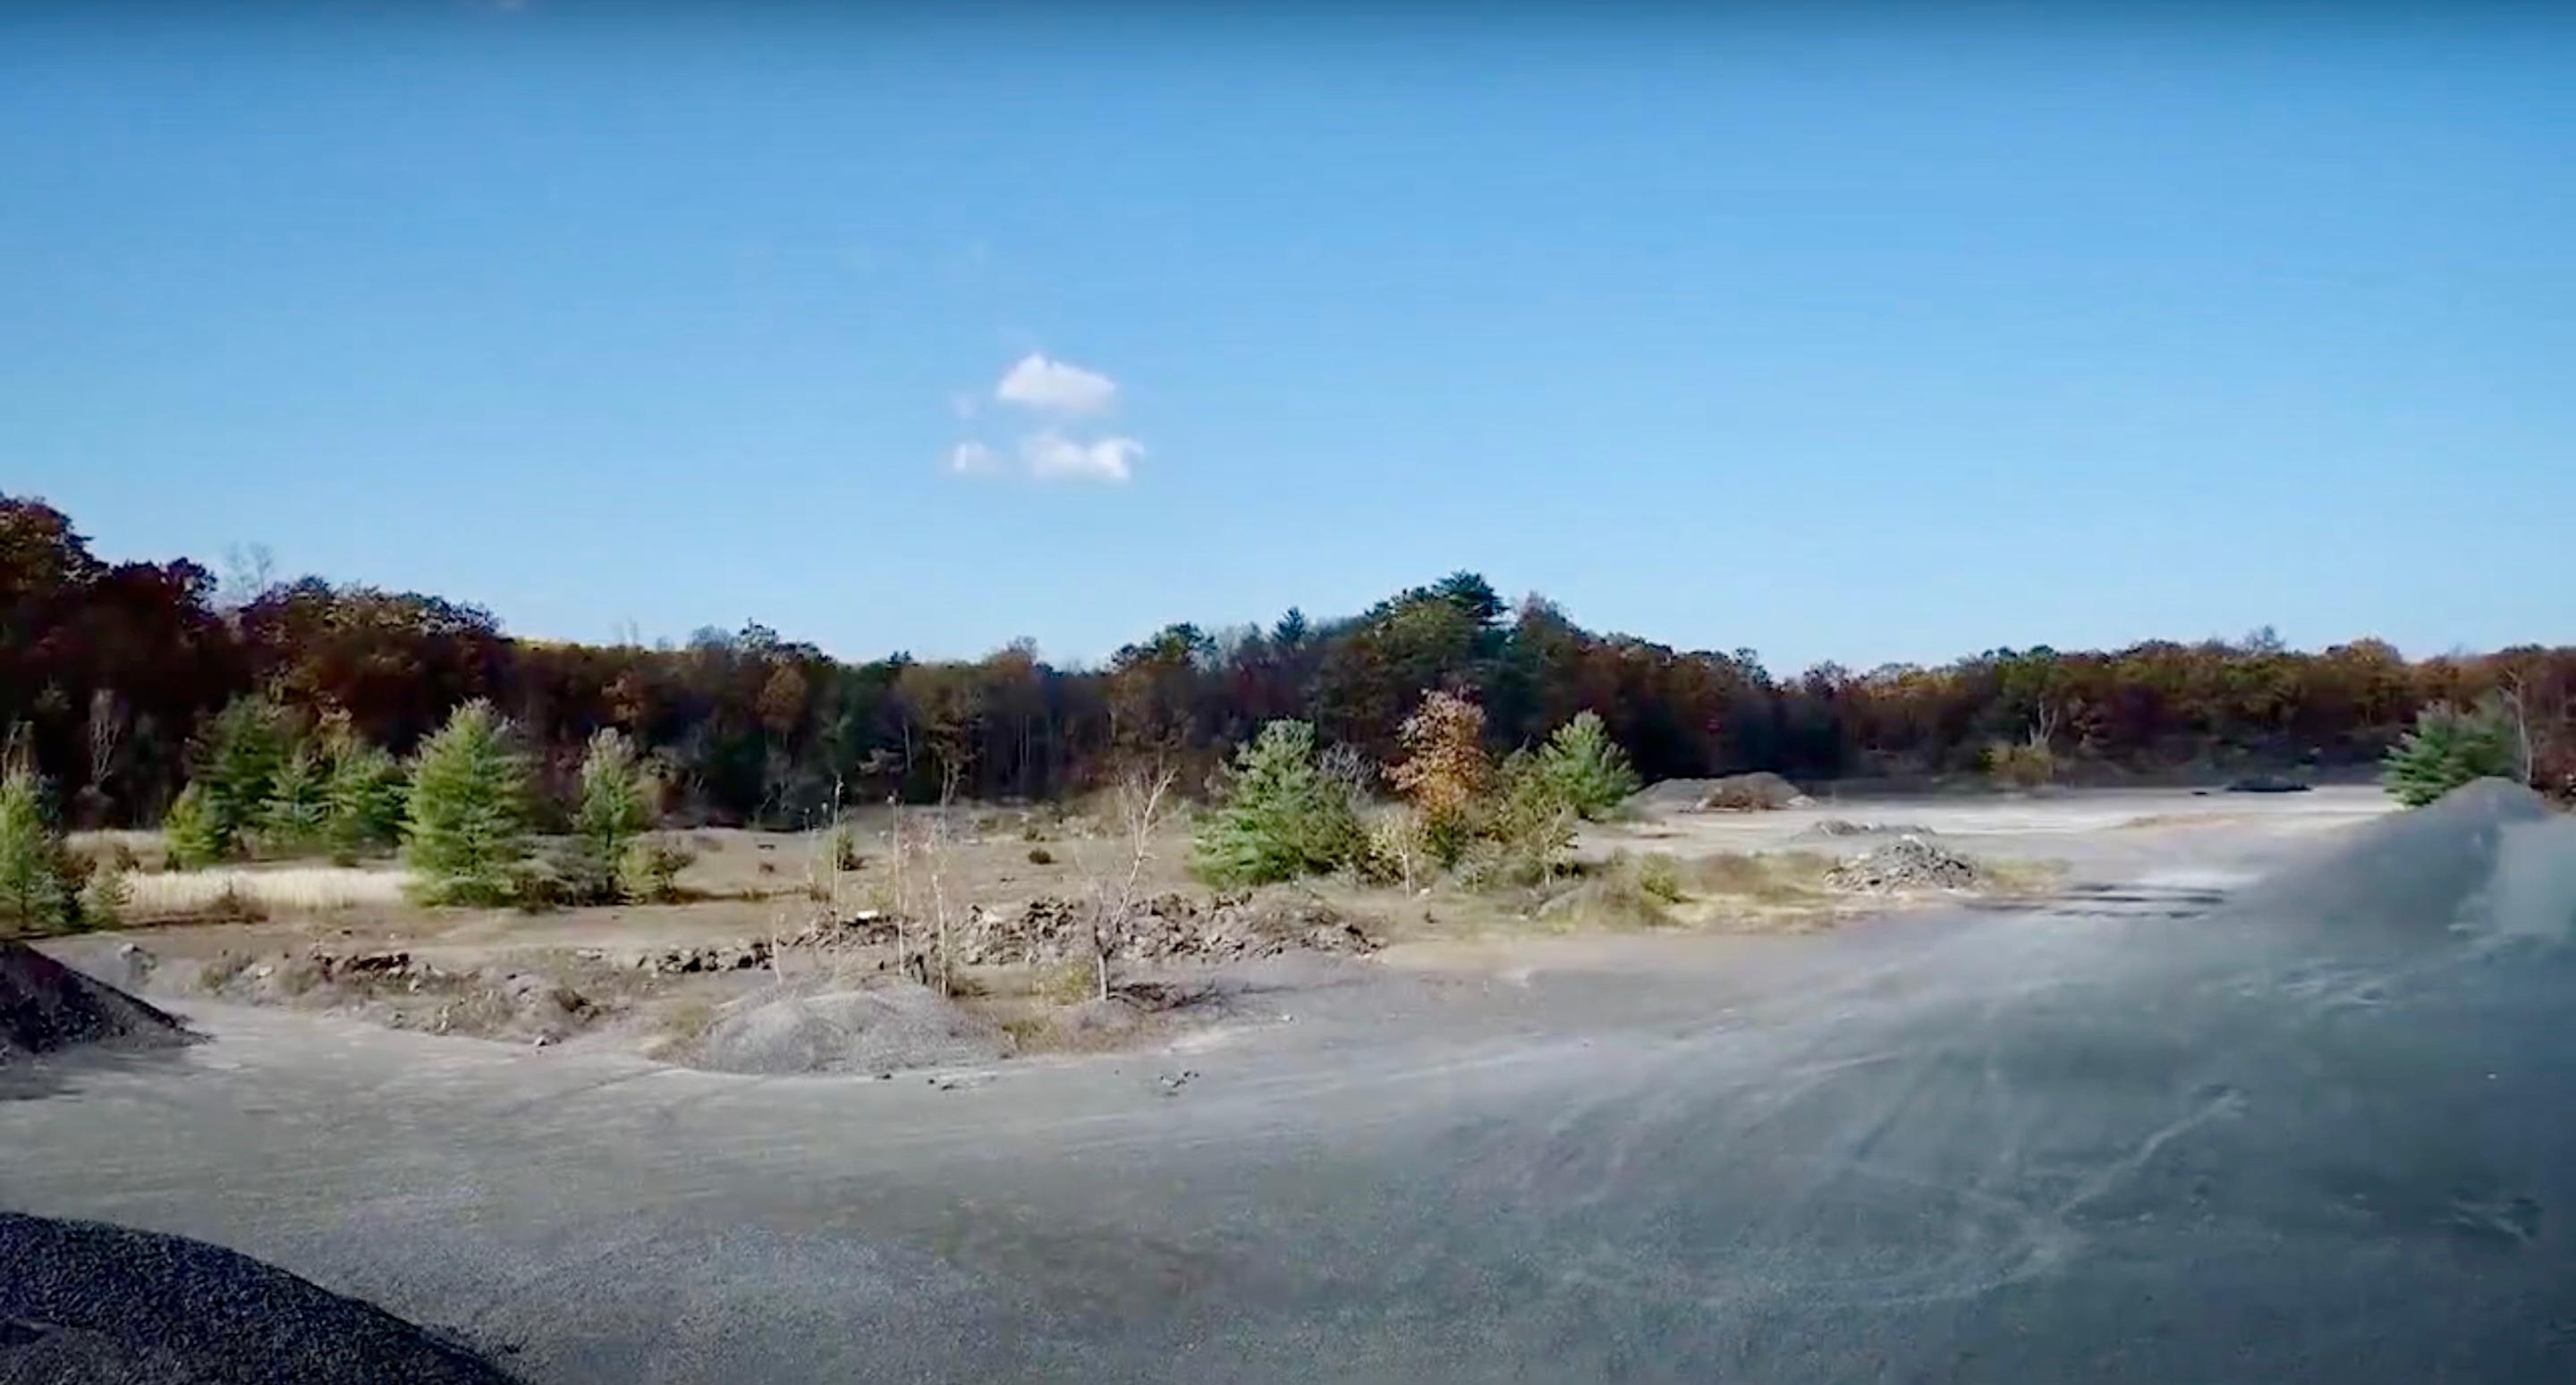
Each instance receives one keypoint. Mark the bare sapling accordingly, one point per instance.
(935, 864)
(1141, 800)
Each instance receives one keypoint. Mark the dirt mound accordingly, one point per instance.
(1908, 863)
(874, 1029)
(2417, 874)
(503, 1000)
(46, 1006)
(1759, 792)
(1168, 927)
(85, 1303)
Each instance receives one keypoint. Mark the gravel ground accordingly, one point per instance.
(2295, 1106)
(88, 1304)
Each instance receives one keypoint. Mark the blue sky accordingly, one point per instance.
(1824, 333)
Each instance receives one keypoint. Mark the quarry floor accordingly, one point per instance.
(2278, 1091)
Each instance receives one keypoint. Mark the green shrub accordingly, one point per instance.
(613, 807)
(1526, 829)
(1282, 817)
(2451, 746)
(1040, 856)
(195, 839)
(35, 891)
(298, 811)
(1588, 769)
(650, 872)
(365, 801)
(466, 828)
(103, 901)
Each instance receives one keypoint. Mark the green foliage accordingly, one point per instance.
(104, 899)
(612, 807)
(195, 839)
(1586, 768)
(650, 871)
(35, 892)
(2451, 746)
(1282, 817)
(239, 758)
(364, 799)
(466, 831)
(298, 811)
(1527, 827)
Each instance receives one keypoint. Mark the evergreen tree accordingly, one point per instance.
(2449, 747)
(298, 811)
(239, 757)
(195, 840)
(466, 832)
(364, 800)
(35, 895)
(1587, 768)
(103, 899)
(613, 810)
(1282, 816)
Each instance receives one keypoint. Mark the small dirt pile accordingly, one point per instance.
(46, 1007)
(1751, 793)
(1168, 927)
(1908, 863)
(876, 1028)
(85, 1303)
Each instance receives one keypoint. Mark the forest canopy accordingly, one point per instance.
(109, 673)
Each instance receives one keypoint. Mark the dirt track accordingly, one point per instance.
(2307, 1131)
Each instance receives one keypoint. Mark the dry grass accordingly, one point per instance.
(233, 891)
(1659, 890)
(133, 844)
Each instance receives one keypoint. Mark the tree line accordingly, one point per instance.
(113, 674)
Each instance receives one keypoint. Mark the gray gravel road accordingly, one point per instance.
(2324, 1129)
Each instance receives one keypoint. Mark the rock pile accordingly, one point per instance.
(88, 1302)
(1908, 863)
(1169, 927)
(686, 961)
(46, 1006)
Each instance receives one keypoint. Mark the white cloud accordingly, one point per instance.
(971, 458)
(1051, 456)
(1053, 386)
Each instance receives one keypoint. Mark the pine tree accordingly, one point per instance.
(298, 810)
(1282, 816)
(466, 833)
(1586, 768)
(103, 899)
(238, 760)
(613, 810)
(195, 839)
(2449, 747)
(35, 896)
(364, 799)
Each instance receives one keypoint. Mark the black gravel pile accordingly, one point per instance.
(85, 1303)
(46, 1006)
